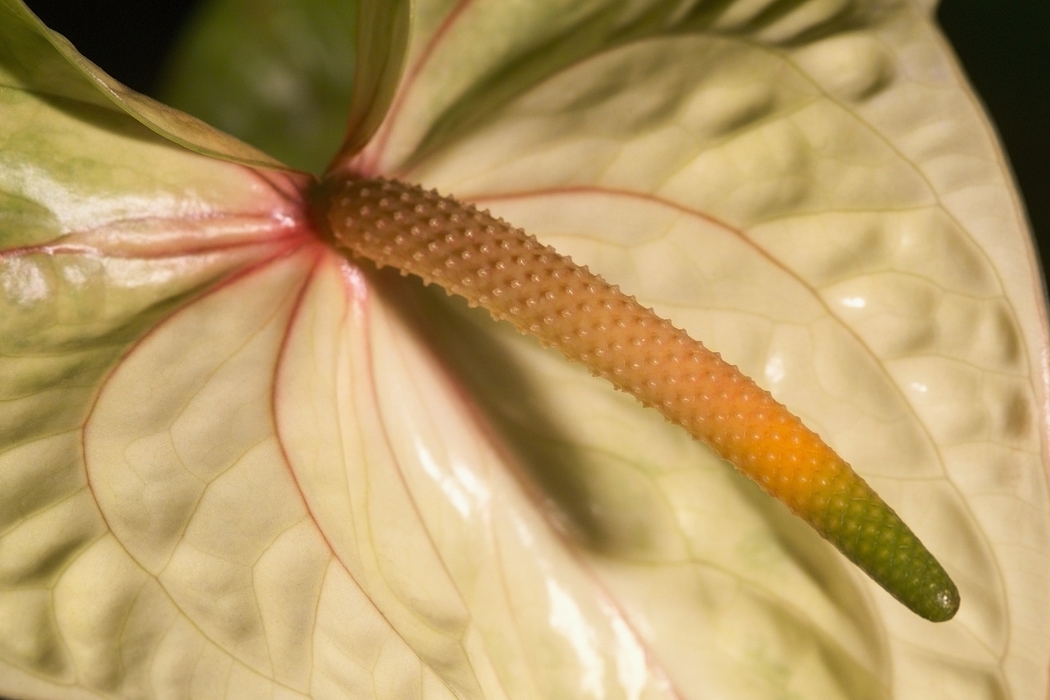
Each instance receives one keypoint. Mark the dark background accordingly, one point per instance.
(1004, 46)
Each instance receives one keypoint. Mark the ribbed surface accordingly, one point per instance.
(544, 294)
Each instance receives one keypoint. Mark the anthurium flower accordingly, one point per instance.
(236, 463)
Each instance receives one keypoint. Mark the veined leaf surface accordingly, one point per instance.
(236, 465)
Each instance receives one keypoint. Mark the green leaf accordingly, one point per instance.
(236, 465)
(278, 73)
(283, 75)
(36, 58)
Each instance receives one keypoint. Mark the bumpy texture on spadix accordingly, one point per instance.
(544, 294)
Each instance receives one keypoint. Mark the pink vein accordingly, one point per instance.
(533, 495)
(290, 237)
(570, 190)
(358, 297)
(382, 139)
(287, 225)
(282, 253)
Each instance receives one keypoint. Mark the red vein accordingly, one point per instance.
(382, 139)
